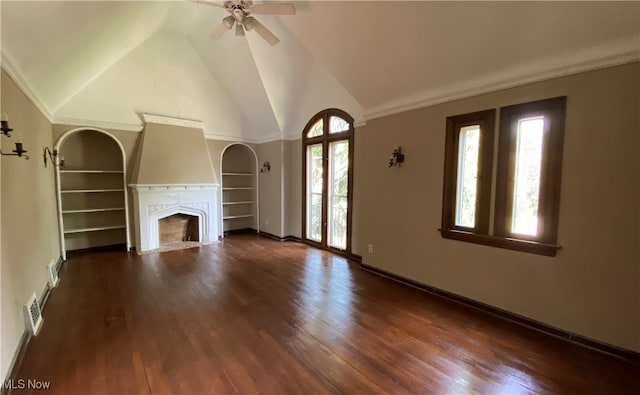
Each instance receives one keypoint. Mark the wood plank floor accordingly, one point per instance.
(252, 315)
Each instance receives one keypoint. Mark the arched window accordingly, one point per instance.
(327, 152)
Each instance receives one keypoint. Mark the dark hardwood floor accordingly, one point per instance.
(252, 315)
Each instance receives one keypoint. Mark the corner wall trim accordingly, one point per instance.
(9, 66)
(567, 336)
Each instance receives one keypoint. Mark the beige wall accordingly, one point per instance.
(29, 220)
(293, 187)
(173, 155)
(271, 188)
(592, 286)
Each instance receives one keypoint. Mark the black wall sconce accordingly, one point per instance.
(56, 158)
(397, 157)
(19, 152)
(266, 167)
(6, 130)
(4, 127)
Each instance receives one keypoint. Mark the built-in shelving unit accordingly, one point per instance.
(92, 191)
(82, 230)
(239, 188)
(86, 171)
(93, 210)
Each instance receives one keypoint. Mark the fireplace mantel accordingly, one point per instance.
(155, 201)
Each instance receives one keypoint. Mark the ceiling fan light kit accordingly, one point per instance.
(228, 22)
(241, 12)
(239, 30)
(249, 22)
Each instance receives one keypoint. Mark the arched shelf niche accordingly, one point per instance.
(239, 203)
(91, 189)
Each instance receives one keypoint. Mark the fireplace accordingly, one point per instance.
(191, 206)
(174, 177)
(178, 228)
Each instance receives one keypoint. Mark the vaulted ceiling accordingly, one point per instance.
(104, 63)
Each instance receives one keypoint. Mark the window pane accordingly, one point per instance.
(316, 129)
(467, 181)
(338, 184)
(314, 192)
(526, 190)
(337, 125)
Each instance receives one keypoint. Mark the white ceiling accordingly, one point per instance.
(103, 63)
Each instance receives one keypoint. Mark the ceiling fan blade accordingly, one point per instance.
(219, 31)
(264, 32)
(273, 9)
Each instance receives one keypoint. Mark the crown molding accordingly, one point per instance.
(267, 138)
(243, 139)
(163, 120)
(10, 68)
(359, 124)
(226, 137)
(497, 83)
(292, 136)
(97, 124)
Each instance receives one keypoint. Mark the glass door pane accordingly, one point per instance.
(338, 192)
(314, 192)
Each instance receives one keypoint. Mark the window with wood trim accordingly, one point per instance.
(527, 180)
(468, 162)
(327, 152)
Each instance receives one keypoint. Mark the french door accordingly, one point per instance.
(327, 180)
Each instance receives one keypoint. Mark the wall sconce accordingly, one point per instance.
(397, 157)
(6, 130)
(55, 157)
(19, 151)
(266, 167)
(4, 126)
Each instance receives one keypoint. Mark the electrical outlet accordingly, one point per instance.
(370, 249)
(266, 221)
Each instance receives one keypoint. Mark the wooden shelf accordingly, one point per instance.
(91, 190)
(92, 210)
(239, 186)
(245, 202)
(239, 216)
(92, 171)
(97, 229)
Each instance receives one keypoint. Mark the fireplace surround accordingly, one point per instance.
(157, 201)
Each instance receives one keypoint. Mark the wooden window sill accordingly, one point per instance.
(532, 247)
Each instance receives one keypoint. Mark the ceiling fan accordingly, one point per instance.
(242, 12)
